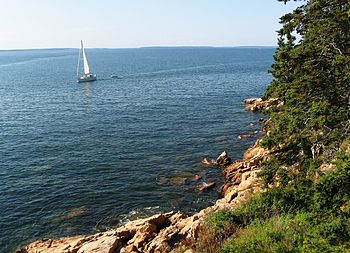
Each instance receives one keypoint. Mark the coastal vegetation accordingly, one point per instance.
(306, 205)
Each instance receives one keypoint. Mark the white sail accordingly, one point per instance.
(86, 68)
(86, 76)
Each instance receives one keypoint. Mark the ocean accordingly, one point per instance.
(77, 158)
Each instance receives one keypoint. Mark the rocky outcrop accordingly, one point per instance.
(223, 159)
(242, 175)
(162, 233)
(258, 104)
(143, 235)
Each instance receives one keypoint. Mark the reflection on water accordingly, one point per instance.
(86, 89)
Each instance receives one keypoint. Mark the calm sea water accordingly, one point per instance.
(79, 158)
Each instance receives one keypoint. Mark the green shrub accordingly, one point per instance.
(220, 221)
(333, 190)
(284, 234)
(278, 234)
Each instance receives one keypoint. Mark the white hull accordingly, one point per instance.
(86, 78)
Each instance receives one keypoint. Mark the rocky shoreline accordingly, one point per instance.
(165, 232)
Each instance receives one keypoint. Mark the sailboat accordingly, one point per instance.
(86, 76)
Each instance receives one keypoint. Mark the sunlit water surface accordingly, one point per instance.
(79, 158)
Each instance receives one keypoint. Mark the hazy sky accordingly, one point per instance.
(136, 23)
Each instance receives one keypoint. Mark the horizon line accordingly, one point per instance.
(140, 47)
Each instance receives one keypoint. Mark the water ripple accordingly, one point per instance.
(79, 158)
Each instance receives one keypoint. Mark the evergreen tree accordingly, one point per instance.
(312, 77)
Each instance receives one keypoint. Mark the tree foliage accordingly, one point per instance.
(312, 77)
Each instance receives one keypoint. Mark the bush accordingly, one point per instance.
(333, 190)
(283, 234)
(278, 234)
(216, 229)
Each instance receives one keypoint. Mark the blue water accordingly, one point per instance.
(79, 158)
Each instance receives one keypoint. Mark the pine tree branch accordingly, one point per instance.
(336, 48)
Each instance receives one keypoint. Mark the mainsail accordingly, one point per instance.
(85, 63)
(87, 76)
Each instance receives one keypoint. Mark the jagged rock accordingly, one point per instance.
(144, 235)
(231, 170)
(102, 244)
(255, 151)
(244, 136)
(129, 249)
(62, 245)
(206, 161)
(223, 159)
(224, 189)
(206, 186)
(152, 234)
(237, 179)
(257, 104)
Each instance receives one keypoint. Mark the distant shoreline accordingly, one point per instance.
(143, 47)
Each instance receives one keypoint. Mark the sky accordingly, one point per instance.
(138, 23)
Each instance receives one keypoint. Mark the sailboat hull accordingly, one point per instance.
(87, 78)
